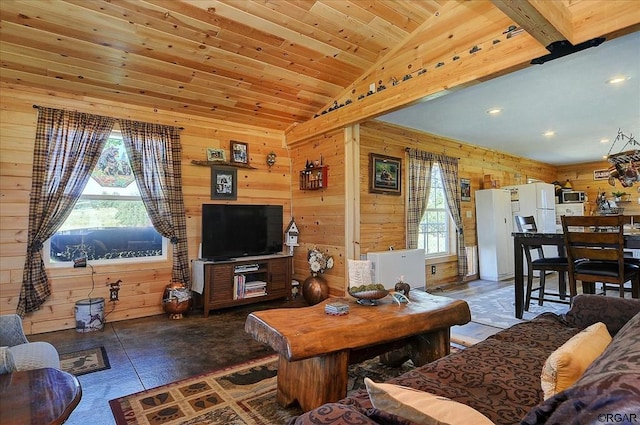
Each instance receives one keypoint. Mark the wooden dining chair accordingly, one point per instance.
(598, 242)
(542, 264)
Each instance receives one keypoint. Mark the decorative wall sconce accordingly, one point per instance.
(271, 159)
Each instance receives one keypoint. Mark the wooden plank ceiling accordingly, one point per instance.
(282, 64)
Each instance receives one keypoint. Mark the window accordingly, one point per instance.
(436, 234)
(109, 223)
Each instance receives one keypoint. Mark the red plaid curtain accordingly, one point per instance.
(67, 147)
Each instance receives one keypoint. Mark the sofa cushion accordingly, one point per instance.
(612, 311)
(422, 407)
(567, 364)
(610, 386)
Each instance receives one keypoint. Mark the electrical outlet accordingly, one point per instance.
(114, 288)
(433, 269)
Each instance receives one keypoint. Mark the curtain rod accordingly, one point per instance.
(408, 149)
(36, 107)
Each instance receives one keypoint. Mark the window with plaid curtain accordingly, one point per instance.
(421, 165)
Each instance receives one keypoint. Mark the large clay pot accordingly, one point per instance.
(315, 289)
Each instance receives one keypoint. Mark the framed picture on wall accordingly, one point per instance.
(224, 184)
(465, 190)
(385, 174)
(216, 154)
(239, 152)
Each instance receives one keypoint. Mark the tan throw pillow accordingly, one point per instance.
(421, 407)
(567, 364)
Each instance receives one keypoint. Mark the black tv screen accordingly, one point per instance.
(231, 231)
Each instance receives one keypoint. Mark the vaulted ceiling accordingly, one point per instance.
(301, 66)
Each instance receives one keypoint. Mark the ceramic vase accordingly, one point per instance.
(315, 289)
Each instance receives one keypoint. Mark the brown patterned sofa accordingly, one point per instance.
(500, 377)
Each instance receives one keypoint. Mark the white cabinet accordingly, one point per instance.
(494, 225)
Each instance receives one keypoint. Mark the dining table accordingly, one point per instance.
(522, 240)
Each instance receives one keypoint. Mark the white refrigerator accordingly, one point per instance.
(537, 200)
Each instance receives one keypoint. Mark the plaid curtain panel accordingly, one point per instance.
(67, 147)
(155, 154)
(420, 164)
(451, 183)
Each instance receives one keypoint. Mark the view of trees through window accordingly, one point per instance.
(109, 221)
(434, 228)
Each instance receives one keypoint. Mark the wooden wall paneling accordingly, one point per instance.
(143, 283)
(319, 214)
(379, 231)
(581, 178)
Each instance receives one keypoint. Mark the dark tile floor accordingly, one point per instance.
(153, 351)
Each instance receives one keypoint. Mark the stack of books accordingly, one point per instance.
(256, 288)
(336, 308)
(243, 289)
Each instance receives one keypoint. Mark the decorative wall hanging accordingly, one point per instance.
(216, 154)
(224, 183)
(385, 174)
(239, 152)
(465, 189)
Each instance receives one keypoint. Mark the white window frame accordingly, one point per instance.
(451, 228)
(115, 261)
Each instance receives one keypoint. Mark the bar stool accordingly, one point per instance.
(541, 264)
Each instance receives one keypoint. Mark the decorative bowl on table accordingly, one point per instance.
(368, 294)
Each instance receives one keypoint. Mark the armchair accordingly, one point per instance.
(17, 353)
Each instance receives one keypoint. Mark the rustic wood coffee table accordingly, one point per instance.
(316, 348)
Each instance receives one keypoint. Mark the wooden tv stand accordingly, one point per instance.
(219, 276)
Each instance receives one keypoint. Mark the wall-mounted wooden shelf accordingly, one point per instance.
(314, 178)
(222, 163)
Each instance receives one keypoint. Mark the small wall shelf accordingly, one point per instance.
(222, 163)
(314, 178)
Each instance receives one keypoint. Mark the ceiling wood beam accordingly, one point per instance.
(491, 61)
(535, 23)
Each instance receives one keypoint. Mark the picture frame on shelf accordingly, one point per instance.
(239, 152)
(216, 154)
(385, 174)
(465, 190)
(224, 183)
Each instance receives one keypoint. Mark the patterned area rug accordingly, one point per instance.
(240, 395)
(85, 361)
(497, 308)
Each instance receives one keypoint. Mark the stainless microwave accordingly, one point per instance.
(567, 197)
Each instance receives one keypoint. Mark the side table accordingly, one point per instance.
(38, 396)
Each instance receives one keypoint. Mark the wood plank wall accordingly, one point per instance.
(320, 214)
(143, 283)
(383, 216)
(581, 178)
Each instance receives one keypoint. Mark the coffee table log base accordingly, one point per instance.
(316, 348)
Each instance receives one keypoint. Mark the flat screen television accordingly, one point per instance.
(232, 231)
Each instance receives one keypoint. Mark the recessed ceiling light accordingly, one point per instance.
(549, 133)
(618, 80)
(604, 141)
(494, 111)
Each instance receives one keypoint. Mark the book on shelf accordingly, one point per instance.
(243, 289)
(247, 268)
(256, 284)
